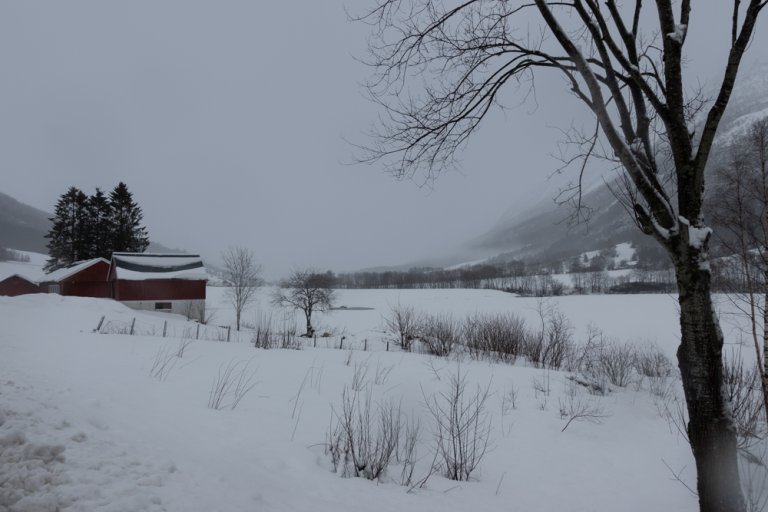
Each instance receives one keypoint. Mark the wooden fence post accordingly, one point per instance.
(197, 334)
(98, 327)
(341, 343)
(314, 344)
(387, 346)
(132, 324)
(365, 345)
(165, 327)
(229, 328)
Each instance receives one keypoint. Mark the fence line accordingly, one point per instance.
(224, 333)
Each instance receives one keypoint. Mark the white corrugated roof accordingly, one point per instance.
(144, 266)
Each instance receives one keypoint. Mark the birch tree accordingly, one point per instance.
(242, 276)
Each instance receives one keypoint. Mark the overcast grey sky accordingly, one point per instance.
(227, 120)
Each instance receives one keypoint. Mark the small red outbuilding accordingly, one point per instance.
(83, 279)
(18, 285)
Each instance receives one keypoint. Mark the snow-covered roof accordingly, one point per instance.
(142, 266)
(29, 279)
(66, 272)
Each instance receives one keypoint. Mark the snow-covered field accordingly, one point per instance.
(84, 426)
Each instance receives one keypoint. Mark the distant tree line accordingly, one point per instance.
(529, 278)
(86, 227)
(12, 255)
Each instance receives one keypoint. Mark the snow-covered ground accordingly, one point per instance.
(84, 426)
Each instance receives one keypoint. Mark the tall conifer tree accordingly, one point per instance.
(101, 225)
(68, 234)
(129, 235)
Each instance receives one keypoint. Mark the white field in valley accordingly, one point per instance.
(85, 426)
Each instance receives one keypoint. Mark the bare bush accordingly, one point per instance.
(262, 331)
(230, 385)
(162, 364)
(362, 441)
(381, 376)
(288, 337)
(601, 361)
(406, 452)
(439, 334)
(199, 311)
(403, 322)
(586, 363)
(359, 375)
(552, 345)
(185, 341)
(266, 336)
(753, 468)
(651, 362)
(743, 388)
(508, 402)
(652, 365)
(616, 361)
(576, 407)
(498, 337)
(462, 426)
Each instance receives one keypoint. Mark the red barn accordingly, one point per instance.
(16, 284)
(160, 282)
(82, 279)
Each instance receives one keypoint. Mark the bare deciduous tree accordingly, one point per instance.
(741, 210)
(308, 291)
(439, 69)
(243, 277)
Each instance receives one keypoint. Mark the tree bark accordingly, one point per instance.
(710, 429)
(310, 330)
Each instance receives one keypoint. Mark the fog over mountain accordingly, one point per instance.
(544, 231)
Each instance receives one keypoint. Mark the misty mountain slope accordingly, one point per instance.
(543, 232)
(546, 233)
(22, 227)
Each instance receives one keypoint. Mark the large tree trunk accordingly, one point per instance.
(710, 428)
(310, 330)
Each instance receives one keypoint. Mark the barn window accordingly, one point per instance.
(163, 306)
(54, 288)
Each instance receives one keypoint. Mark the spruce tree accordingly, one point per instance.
(68, 234)
(100, 229)
(128, 234)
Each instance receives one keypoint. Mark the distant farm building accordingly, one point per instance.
(160, 282)
(16, 284)
(83, 279)
(173, 283)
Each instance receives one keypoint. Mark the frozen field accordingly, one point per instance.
(85, 426)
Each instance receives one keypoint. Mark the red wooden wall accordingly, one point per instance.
(15, 285)
(159, 289)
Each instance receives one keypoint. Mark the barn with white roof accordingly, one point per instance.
(173, 283)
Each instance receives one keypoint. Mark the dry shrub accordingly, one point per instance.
(439, 334)
(498, 337)
(363, 439)
(462, 426)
